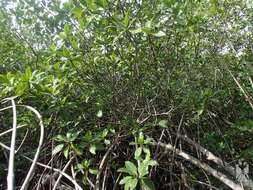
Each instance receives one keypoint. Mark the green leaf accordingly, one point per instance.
(21, 88)
(93, 171)
(99, 114)
(126, 19)
(91, 4)
(148, 24)
(27, 75)
(131, 184)
(66, 152)
(68, 136)
(125, 179)
(147, 184)
(131, 168)
(93, 149)
(104, 133)
(143, 169)
(124, 170)
(77, 11)
(137, 153)
(58, 149)
(67, 29)
(86, 163)
(201, 109)
(163, 123)
(160, 34)
(102, 3)
(152, 163)
(141, 138)
(79, 167)
(147, 152)
(136, 31)
(148, 140)
(77, 150)
(72, 136)
(244, 125)
(88, 136)
(107, 142)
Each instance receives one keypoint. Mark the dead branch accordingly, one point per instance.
(220, 176)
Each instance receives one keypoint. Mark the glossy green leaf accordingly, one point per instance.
(137, 153)
(163, 123)
(160, 34)
(77, 11)
(131, 184)
(93, 149)
(93, 171)
(66, 152)
(147, 184)
(143, 169)
(99, 114)
(125, 180)
(58, 149)
(131, 168)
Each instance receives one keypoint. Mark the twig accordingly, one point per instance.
(40, 183)
(59, 171)
(156, 151)
(23, 140)
(102, 164)
(116, 182)
(90, 183)
(251, 82)
(104, 180)
(18, 35)
(247, 98)
(73, 175)
(60, 176)
(183, 176)
(203, 183)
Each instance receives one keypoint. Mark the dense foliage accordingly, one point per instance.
(111, 77)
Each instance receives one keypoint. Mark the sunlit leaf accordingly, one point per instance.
(58, 149)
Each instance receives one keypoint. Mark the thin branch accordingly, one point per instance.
(54, 169)
(102, 164)
(5, 146)
(104, 180)
(10, 177)
(10, 130)
(220, 176)
(247, 97)
(42, 182)
(20, 37)
(57, 170)
(6, 108)
(251, 82)
(36, 156)
(211, 157)
(23, 140)
(73, 175)
(60, 176)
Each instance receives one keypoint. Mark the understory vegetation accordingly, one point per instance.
(126, 94)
